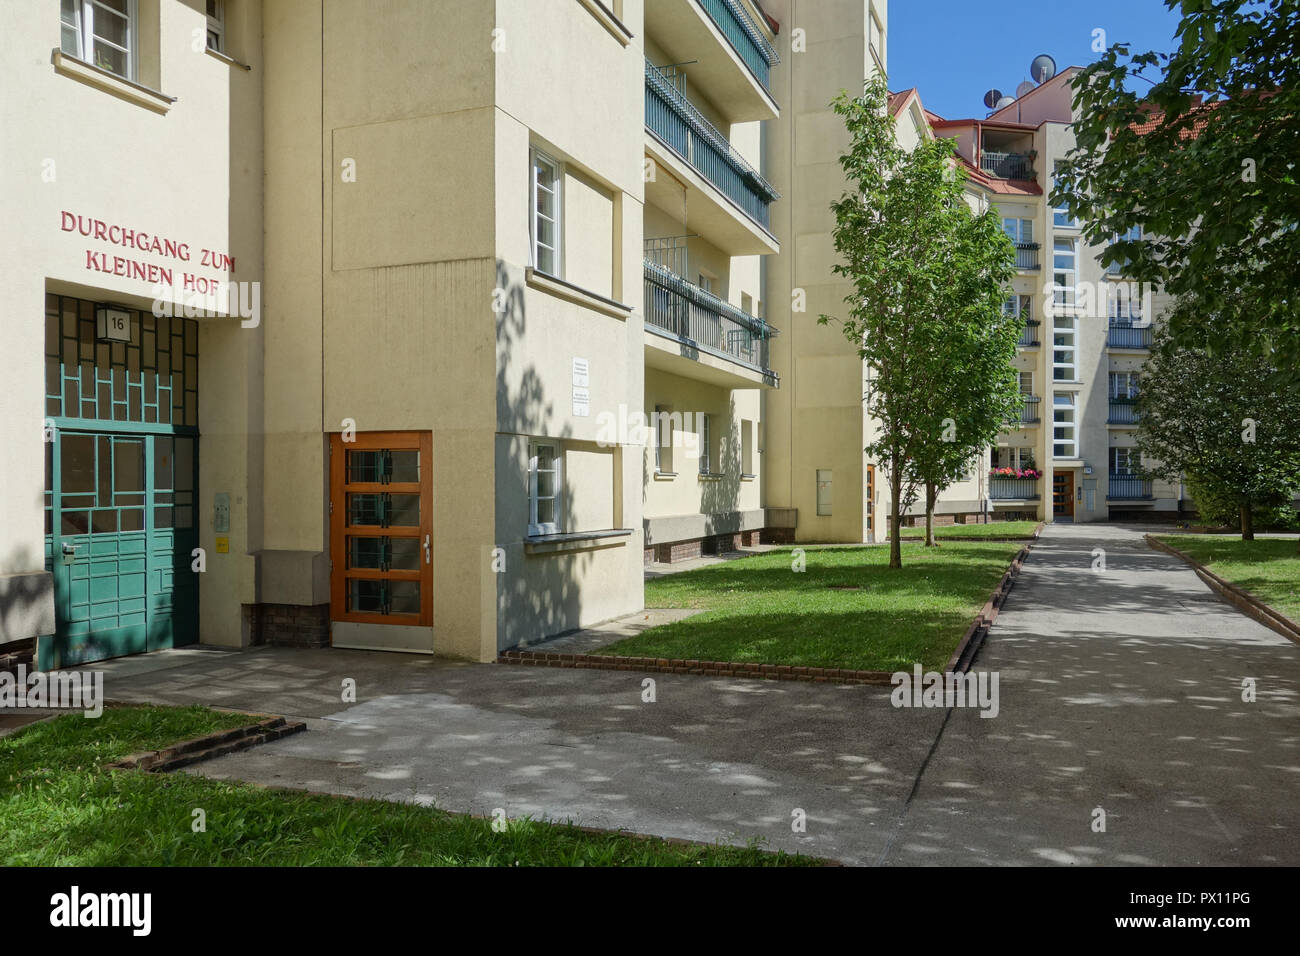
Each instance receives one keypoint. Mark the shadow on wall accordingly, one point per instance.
(538, 595)
(720, 497)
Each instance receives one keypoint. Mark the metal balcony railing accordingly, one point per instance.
(1007, 165)
(1029, 409)
(1123, 334)
(670, 252)
(1027, 255)
(744, 36)
(1123, 411)
(686, 311)
(683, 128)
(1013, 489)
(1130, 488)
(1029, 334)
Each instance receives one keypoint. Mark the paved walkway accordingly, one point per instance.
(1118, 689)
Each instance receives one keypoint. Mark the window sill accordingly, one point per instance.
(711, 476)
(227, 59)
(572, 293)
(575, 541)
(118, 86)
(605, 17)
(747, 477)
(665, 475)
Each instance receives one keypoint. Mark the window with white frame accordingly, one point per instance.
(1064, 339)
(1124, 384)
(1021, 305)
(548, 200)
(101, 33)
(1061, 217)
(217, 25)
(1065, 443)
(545, 488)
(1065, 270)
(1019, 458)
(1125, 461)
(1018, 230)
(1026, 383)
(877, 39)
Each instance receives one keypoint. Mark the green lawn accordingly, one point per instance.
(58, 807)
(994, 529)
(1268, 568)
(761, 611)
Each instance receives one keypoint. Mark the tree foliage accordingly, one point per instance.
(1225, 421)
(1204, 161)
(925, 312)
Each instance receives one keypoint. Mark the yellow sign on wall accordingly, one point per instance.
(223, 545)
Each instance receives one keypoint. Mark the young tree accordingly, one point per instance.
(925, 272)
(976, 389)
(1225, 421)
(1204, 161)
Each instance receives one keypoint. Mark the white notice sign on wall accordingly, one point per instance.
(581, 394)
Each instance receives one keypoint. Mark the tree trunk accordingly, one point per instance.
(896, 526)
(1247, 522)
(929, 514)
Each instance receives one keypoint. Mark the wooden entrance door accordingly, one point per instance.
(381, 528)
(1063, 494)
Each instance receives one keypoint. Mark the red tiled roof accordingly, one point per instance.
(1156, 119)
(896, 100)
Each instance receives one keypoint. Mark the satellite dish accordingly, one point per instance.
(1005, 102)
(1025, 87)
(991, 98)
(1043, 68)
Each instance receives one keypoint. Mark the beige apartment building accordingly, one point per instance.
(419, 327)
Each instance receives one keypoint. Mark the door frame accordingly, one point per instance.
(339, 488)
(1068, 474)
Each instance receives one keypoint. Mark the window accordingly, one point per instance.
(1065, 259)
(1019, 230)
(823, 491)
(706, 442)
(662, 427)
(1021, 305)
(217, 25)
(1064, 440)
(746, 447)
(545, 498)
(1026, 383)
(1125, 461)
(1064, 332)
(547, 203)
(1124, 384)
(1018, 458)
(100, 32)
(1061, 219)
(877, 40)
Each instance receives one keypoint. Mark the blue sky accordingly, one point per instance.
(953, 51)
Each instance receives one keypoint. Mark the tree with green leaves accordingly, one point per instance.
(1201, 153)
(925, 312)
(1226, 421)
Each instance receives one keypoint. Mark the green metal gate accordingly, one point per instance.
(121, 485)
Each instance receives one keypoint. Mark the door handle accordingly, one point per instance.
(69, 548)
(427, 557)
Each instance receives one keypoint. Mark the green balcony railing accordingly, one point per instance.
(683, 128)
(745, 38)
(1129, 488)
(687, 312)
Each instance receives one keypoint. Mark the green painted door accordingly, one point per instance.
(121, 483)
(123, 532)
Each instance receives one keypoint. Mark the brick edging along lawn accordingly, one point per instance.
(960, 661)
(1242, 600)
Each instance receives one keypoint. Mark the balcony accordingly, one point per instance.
(1013, 489)
(696, 334)
(729, 200)
(1123, 411)
(1129, 488)
(1124, 334)
(730, 58)
(1029, 334)
(1007, 165)
(1027, 256)
(1029, 410)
